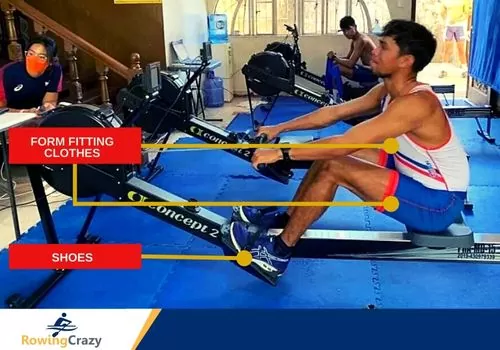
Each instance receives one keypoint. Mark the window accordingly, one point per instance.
(335, 10)
(370, 15)
(285, 15)
(264, 15)
(312, 17)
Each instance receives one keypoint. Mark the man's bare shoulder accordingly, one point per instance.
(366, 39)
(419, 105)
(379, 91)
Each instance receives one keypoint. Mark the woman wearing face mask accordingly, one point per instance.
(32, 85)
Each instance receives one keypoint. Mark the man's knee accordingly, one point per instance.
(332, 170)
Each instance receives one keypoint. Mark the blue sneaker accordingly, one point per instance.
(262, 249)
(267, 217)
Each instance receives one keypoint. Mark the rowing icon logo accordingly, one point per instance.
(62, 324)
(64, 334)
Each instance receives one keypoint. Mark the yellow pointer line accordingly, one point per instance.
(188, 257)
(243, 258)
(264, 145)
(78, 203)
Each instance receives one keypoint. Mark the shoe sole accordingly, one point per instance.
(242, 215)
(233, 240)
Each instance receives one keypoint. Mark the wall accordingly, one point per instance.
(118, 30)
(185, 20)
(313, 48)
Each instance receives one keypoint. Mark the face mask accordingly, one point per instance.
(35, 65)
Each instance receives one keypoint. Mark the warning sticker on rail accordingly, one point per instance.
(75, 146)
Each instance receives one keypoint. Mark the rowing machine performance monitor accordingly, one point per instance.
(293, 55)
(120, 182)
(165, 114)
(206, 51)
(151, 79)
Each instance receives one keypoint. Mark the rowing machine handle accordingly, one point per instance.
(275, 172)
(262, 138)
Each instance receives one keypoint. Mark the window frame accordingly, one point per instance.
(299, 16)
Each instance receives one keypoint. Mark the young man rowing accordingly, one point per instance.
(429, 175)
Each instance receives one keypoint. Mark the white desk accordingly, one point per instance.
(11, 120)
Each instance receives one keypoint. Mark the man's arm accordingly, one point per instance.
(354, 56)
(351, 49)
(50, 98)
(326, 116)
(402, 116)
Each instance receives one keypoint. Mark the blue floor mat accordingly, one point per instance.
(217, 175)
(438, 285)
(307, 284)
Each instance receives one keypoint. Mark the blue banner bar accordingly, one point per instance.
(323, 329)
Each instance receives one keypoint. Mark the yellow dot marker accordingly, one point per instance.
(244, 258)
(391, 145)
(391, 204)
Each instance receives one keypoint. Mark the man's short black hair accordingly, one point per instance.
(48, 42)
(413, 39)
(346, 22)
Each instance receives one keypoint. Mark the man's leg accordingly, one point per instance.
(370, 155)
(367, 180)
(346, 71)
(461, 50)
(277, 219)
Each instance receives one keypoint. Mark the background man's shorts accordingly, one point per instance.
(455, 32)
(420, 208)
(362, 74)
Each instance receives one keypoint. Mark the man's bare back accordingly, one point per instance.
(366, 46)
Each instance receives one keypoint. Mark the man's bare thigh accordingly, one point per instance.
(345, 71)
(368, 154)
(367, 180)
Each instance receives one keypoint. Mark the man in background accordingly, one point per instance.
(456, 15)
(361, 50)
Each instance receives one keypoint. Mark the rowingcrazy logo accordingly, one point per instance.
(63, 333)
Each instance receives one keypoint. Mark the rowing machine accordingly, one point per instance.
(293, 55)
(471, 111)
(169, 112)
(458, 243)
(267, 74)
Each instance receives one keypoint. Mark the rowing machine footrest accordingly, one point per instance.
(458, 235)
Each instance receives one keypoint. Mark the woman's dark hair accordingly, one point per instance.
(50, 46)
(413, 39)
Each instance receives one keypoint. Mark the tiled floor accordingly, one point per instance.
(27, 211)
(431, 73)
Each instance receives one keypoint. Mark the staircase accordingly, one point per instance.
(95, 90)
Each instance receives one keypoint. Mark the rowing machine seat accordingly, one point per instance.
(457, 235)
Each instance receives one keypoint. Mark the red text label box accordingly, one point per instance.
(75, 145)
(75, 256)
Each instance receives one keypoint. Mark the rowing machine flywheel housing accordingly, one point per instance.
(60, 176)
(272, 64)
(284, 49)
